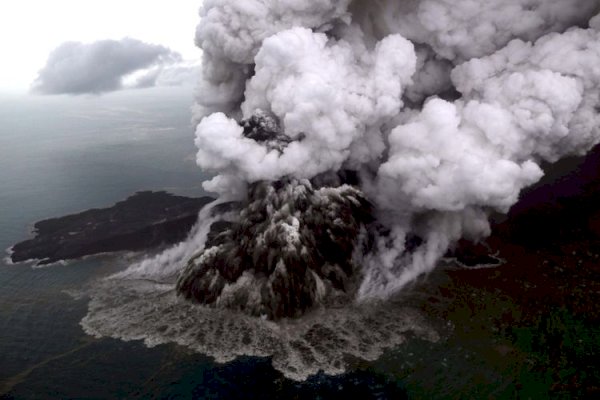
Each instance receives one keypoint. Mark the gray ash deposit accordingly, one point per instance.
(290, 248)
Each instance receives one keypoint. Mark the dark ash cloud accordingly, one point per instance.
(81, 68)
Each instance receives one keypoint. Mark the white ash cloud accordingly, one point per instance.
(235, 30)
(231, 32)
(446, 108)
(463, 29)
(339, 91)
(105, 66)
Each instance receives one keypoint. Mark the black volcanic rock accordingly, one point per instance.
(144, 220)
(290, 249)
(264, 128)
(566, 201)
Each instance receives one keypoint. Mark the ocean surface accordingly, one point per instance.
(60, 155)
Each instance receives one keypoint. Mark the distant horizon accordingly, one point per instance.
(130, 92)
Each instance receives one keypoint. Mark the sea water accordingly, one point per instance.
(60, 155)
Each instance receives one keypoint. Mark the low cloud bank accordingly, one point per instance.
(109, 65)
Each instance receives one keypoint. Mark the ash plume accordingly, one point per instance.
(444, 110)
(353, 143)
(291, 249)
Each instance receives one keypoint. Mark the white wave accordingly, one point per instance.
(320, 341)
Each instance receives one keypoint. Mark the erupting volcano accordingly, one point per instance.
(441, 112)
(352, 144)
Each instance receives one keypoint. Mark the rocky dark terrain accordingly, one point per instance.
(530, 325)
(533, 323)
(290, 249)
(144, 220)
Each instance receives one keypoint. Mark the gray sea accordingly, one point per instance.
(60, 155)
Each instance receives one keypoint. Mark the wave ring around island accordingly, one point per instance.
(141, 303)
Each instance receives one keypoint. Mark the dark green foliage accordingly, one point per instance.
(562, 352)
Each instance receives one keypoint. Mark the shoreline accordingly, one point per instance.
(144, 220)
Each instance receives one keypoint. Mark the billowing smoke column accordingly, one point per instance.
(292, 248)
(442, 109)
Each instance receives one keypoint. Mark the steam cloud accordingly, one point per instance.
(103, 66)
(445, 109)
(362, 139)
